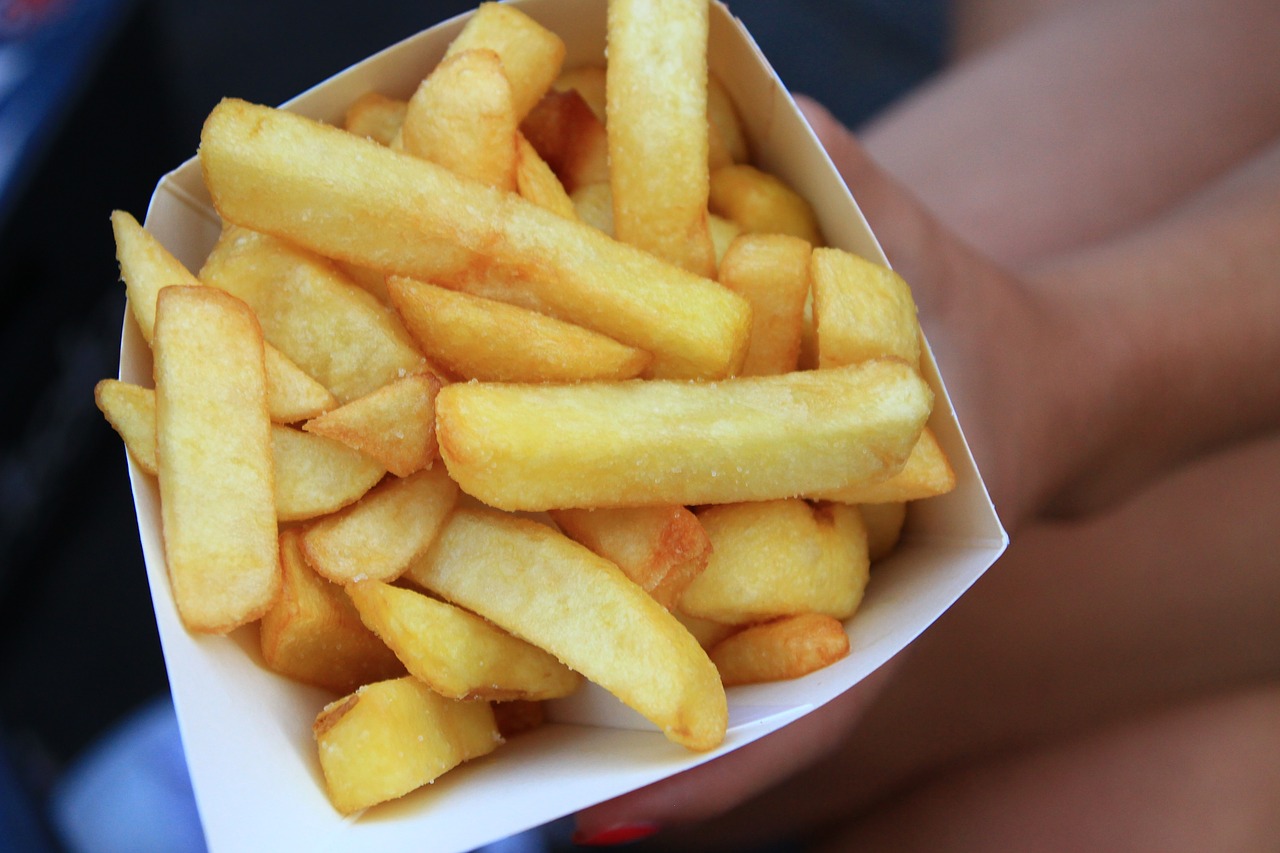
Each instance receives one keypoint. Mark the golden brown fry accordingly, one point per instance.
(761, 203)
(381, 533)
(570, 138)
(462, 117)
(861, 310)
(772, 272)
(589, 82)
(352, 199)
(313, 633)
(783, 649)
(656, 114)
(456, 653)
(537, 183)
(376, 117)
(390, 737)
(477, 338)
(538, 447)
(661, 548)
(214, 461)
(394, 425)
(131, 411)
(531, 54)
(549, 590)
(316, 475)
(779, 558)
(926, 474)
(292, 395)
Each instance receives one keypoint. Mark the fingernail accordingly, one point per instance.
(614, 835)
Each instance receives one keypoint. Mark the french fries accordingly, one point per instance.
(521, 290)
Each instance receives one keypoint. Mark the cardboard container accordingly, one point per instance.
(247, 732)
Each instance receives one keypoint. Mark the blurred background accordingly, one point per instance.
(98, 99)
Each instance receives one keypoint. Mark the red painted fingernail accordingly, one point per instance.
(624, 834)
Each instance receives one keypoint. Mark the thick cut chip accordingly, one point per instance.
(316, 475)
(531, 54)
(594, 206)
(705, 631)
(379, 535)
(772, 272)
(861, 310)
(375, 116)
(779, 558)
(311, 312)
(636, 443)
(571, 138)
(477, 338)
(456, 653)
(589, 82)
(549, 590)
(537, 183)
(213, 455)
(656, 115)
(391, 737)
(462, 117)
(926, 474)
(394, 424)
(313, 633)
(884, 523)
(131, 411)
(725, 124)
(352, 199)
(146, 266)
(761, 203)
(782, 649)
(661, 548)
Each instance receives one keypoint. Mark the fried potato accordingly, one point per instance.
(884, 522)
(131, 411)
(531, 54)
(391, 737)
(926, 474)
(772, 272)
(394, 424)
(214, 462)
(537, 183)
(354, 200)
(782, 649)
(146, 266)
(661, 548)
(477, 338)
(455, 653)
(549, 590)
(532, 447)
(570, 138)
(375, 116)
(656, 116)
(761, 203)
(313, 633)
(380, 534)
(594, 205)
(462, 116)
(589, 82)
(316, 475)
(725, 124)
(312, 313)
(861, 310)
(705, 631)
(779, 558)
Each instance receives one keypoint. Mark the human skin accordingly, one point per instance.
(1117, 376)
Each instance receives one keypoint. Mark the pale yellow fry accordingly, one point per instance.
(313, 634)
(316, 475)
(549, 590)
(538, 447)
(213, 454)
(861, 310)
(780, 650)
(479, 338)
(463, 118)
(334, 330)
(390, 737)
(394, 425)
(352, 199)
(884, 523)
(531, 54)
(656, 116)
(146, 266)
(380, 534)
(660, 548)
(725, 123)
(131, 411)
(926, 474)
(779, 558)
(761, 203)
(375, 116)
(772, 272)
(594, 206)
(537, 183)
(456, 653)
